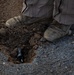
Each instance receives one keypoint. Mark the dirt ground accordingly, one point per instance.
(24, 37)
(10, 8)
(55, 58)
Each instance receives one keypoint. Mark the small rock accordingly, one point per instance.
(4, 63)
(42, 39)
(35, 47)
(70, 32)
(34, 29)
(72, 42)
(2, 31)
(38, 36)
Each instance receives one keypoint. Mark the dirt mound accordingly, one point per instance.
(24, 37)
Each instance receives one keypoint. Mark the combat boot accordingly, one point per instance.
(56, 30)
(25, 20)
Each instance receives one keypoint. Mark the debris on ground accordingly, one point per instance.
(25, 37)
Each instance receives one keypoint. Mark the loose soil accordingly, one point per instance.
(23, 36)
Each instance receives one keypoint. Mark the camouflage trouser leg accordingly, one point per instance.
(63, 13)
(38, 8)
(64, 10)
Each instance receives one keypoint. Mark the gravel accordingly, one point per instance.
(55, 58)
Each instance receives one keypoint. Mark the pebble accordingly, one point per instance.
(70, 32)
(4, 63)
(72, 42)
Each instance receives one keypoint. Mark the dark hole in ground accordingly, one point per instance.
(24, 37)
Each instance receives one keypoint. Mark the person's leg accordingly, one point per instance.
(64, 18)
(33, 11)
(64, 14)
(56, 31)
(38, 8)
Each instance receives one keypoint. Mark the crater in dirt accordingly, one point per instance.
(24, 37)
